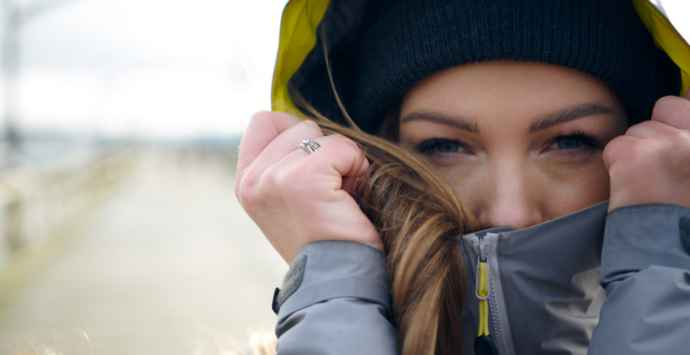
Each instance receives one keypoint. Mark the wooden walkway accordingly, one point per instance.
(169, 265)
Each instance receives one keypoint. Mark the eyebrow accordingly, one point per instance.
(444, 119)
(569, 114)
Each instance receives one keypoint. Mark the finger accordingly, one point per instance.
(337, 155)
(341, 154)
(349, 184)
(687, 95)
(263, 128)
(674, 111)
(339, 158)
(287, 143)
(652, 129)
(617, 148)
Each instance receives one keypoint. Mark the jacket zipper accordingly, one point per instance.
(485, 259)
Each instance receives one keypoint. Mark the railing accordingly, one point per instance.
(39, 203)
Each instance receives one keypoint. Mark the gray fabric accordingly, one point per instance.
(646, 275)
(640, 236)
(338, 326)
(342, 305)
(291, 282)
(684, 229)
(340, 269)
(549, 274)
(545, 295)
(470, 311)
(646, 313)
(551, 296)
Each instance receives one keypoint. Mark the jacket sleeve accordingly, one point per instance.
(335, 300)
(645, 270)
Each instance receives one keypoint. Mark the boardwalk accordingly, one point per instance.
(168, 265)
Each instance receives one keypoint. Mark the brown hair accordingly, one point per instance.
(419, 217)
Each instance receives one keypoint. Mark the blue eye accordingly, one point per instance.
(574, 141)
(440, 146)
(568, 143)
(448, 147)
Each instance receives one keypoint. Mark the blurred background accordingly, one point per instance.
(120, 120)
(119, 229)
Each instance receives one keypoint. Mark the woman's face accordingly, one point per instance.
(521, 142)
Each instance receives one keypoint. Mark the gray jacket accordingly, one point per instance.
(584, 283)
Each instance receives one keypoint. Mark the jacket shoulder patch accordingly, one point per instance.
(292, 281)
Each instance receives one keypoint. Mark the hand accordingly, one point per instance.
(295, 197)
(651, 162)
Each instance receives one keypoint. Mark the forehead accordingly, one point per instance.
(494, 91)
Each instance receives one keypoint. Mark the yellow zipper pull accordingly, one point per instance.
(483, 295)
(483, 344)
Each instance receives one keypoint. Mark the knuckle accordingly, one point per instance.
(646, 151)
(342, 144)
(666, 100)
(614, 149)
(285, 181)
(278, 179)
(643, 128)
(611, 146)
(634, 154)
(348, 145)
(613, 171)
(248, 189)
(682, 138)
(680, 146)
(351, 143)
(672, 107)
(663, 104)
(262, 116)
(237, 184)
(312, 167)
(634, 128)
(311, 123)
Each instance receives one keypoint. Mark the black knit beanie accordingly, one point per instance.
(412, 39)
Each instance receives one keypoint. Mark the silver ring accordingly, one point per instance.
(309, 146)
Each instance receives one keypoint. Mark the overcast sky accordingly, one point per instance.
(161, 68)
(148, 67)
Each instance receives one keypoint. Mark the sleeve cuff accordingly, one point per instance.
(334, 269)
(638, 237)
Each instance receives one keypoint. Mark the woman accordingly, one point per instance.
(536, 112)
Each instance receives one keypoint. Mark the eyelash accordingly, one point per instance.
(575, 134)
(425, 146)
(579, 135)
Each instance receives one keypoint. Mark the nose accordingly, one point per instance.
(510, 201)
